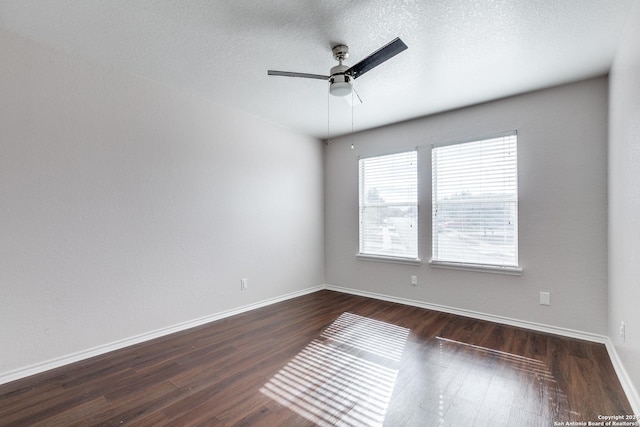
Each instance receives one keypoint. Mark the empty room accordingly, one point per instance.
(300, 213)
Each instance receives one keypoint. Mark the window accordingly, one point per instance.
(475, 204)
(389, 206)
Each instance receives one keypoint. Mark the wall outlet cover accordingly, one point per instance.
(545, 298)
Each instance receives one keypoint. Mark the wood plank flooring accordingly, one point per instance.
(329, 358)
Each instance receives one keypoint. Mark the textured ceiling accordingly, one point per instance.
(461, 52)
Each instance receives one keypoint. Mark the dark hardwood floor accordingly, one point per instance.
(329, 359)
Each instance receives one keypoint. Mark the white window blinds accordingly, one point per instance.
(389, 205)
(475, 202)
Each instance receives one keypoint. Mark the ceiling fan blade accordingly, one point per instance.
(294, 74)
(386, 52)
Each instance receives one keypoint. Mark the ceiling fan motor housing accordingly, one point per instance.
(340, 83)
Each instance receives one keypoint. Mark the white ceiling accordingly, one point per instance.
(461, 52)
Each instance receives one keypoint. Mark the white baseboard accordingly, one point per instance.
(625, 380)
(117, 345)
(623, 377)
(476, 315)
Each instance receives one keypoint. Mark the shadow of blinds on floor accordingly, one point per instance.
(344, 377)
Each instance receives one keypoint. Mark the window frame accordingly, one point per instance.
(385, 257)
(486, 267)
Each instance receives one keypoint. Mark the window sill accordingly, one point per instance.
(512, 271)
(395, 260)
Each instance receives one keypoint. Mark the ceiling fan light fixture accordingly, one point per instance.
(340, 89)
(340, 83)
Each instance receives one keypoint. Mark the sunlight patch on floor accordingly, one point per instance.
(547, 393)
(521, 363)
(346, 376)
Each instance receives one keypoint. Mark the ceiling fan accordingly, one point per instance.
(341, 76)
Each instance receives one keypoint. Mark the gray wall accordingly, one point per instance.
(562, 159)
(624, 199)
(127, 207)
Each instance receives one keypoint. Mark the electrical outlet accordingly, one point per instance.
(244, 283)
(545, 298)
(414, 280)
(622, 330)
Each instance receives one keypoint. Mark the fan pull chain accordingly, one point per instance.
(352, 91)
(328, 101)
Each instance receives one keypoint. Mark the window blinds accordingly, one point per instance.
(475, 202)
(389, 205)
